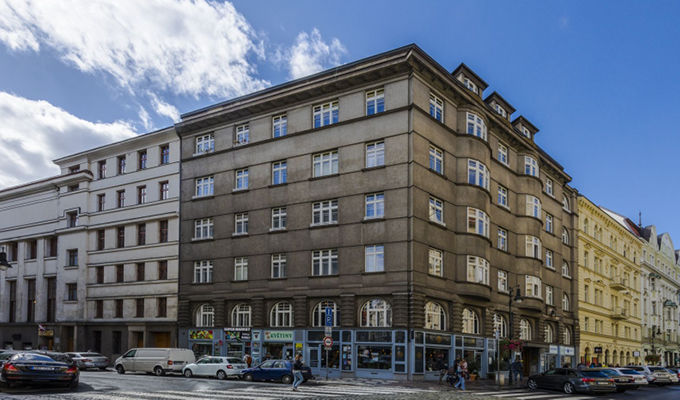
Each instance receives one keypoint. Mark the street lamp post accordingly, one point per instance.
(655, 332)
(3, 262)
(517, 298)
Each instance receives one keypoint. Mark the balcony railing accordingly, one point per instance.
(618, 283)
(619, 313)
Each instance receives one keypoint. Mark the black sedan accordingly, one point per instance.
(572, 380)
(33, 368)
(275, 370)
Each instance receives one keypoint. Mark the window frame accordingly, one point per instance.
(435, 316)
(325, 163)
(279, 264)
(325, 262)
(325, 212)
(375, 154)
(204, 186)
(325, 114)
(374, 258)
(241, 224)
(204, 144)
(436, 107)
(470, 322)
(477, 270)
(503, 155)
(436, 207)
(503, 283)
(435, 262)
(374, 205)
(478, 222)
(242, 134)
(203, 270)
(279, 218)
(279, 172)
(549, 223)
(531, 166)
(376, 99)
(204, 228)
(478, 173)
(240, 269)
(532, 287)
(475, 126)
(241, 179)
(503, 197)
(376, 313)
(281, 315)
(436, 159)
(502, 239)
(535, 243)
(279, 125)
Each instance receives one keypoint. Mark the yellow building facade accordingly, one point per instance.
(609, 274)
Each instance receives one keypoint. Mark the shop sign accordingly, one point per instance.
(597, 350)
(278, 336)
(568, 351)
(553, 349)
(237, 334)
(256, 336)
(636, 354)
(202, 334)
(46, 332)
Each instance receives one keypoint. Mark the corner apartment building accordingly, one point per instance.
(390, 192)
(610, 280)
(94, 250)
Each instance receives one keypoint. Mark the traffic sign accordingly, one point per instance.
(328, 342)
(328, 331)
(329, 316)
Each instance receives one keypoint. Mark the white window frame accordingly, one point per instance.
(376, 313)
(478, 174)
(475, 126)
(565, 269)
(525, 131)
(503, 281)
(279, 172)
(565, 204)
(549, 295)
(503, 154)
(325, 212)
(478, 222)
(500, 325)
(325, 262)
(279, 125)
(435, 264)
(470, 322)
(533, 247)
(374, 205)
(241, 268)
(549, 226)
(374, 258)
(549, 187)
(469, 85)
(241, 316)
(530, 166)
(567, 336)
(436, 159)
(205, 316)
(242, 134)
(204, 186)
(203, 271)
(436, 206)
(566, 305)
(549, 333)
(281, 315)
(279, 218)
(524, 329)
(533, 208)
(326, 114)
(532, 287)
(203, 228)
(503, 197)
(241, 224)
(241, 179)
(549, 259)
(324, 164)
(477, 270)
(435, 316)
(565, 236)
(376, 98)
(279, 264)
(204, 144)
(375, 154)
(500, 110)
(502, 239)
(436, 107)
(319, 313)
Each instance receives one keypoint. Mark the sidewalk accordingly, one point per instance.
(476, 385)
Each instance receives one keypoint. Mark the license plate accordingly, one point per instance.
(42, 368)
(603, 383)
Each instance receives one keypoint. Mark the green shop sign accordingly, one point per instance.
(278, 336)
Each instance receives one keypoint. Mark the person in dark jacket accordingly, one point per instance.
(297, 372)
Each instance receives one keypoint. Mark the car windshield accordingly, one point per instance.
(594, 374)
(609, 372)
(630, 372)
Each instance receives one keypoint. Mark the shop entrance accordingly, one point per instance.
(530, 360)
(278, 351)
(138, 339)
(317, 359)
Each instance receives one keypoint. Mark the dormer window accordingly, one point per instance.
(500, 110)
(525, 131)
(470, 85)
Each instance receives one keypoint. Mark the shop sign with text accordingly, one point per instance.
(278, 336)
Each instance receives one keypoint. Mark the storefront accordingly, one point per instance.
(331, 361)
(237, 342)
(430, 347)
(205, 342)
(275, 344)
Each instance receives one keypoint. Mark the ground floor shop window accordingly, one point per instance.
(433, 356)
(374, 357)
(202, 349)
(278, 351)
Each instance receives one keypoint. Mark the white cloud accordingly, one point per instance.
(310, 54)
(163, 108)
(34, 132)
(145, 118)
(185, 47)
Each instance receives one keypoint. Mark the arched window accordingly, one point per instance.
(470, 322)
(319, 313)
(240, 315)
(524, 329)
(565, 269)
(376, 313)
(585, 225)
(500, 325)
(435, 317)
(565, 203)
(565, 302)
(565, 235)
(549, 333)
(281, 315)
(205, 316)
(567, 336)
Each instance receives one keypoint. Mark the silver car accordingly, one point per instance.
(663, 376)
(639, 378)
(87, 360)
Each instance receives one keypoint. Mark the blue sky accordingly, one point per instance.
(599, 79)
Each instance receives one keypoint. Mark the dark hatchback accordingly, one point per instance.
(275, 370)
(571, 380)
(34, 368)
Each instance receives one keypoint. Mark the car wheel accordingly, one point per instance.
(187, 373)
(120, 369)
(248, 377)
(568, 388)
(158, 371)
(287, 379)
(532, 384)
(221, 375)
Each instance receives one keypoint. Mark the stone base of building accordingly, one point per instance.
(46, 335)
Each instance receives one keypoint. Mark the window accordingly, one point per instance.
(165, 154)
(565, 302)
(205, 143)
(565, 203)
(205, 316)
(549, 186)
(325, 163)
(278, 266)
(242, 134)
(503, 154)
(549, 333)
(280, 125)
(240, 316)
(101, 202)
(503, 281)
(205, 186)
(241, 179)
(436, 160)
(325, 262)
(530, 166)
(549, 259)
(435, 317)
(120, 273)
(325, 212)
(375, 205)
(436, 108)
(500, 325)
(470, 322)
(120, 237)
(586, 293)
(241, 269)
(549, 291)
(163, 231)
(478, 222)
(524, 329)
(500, 110)
(118, 313)
(533, 286)
(99, 308)
(72, 257)
(161, 307)
(120, 198)
(468, 84)
(164, 189)
(375, 101)
(121, 164)
(203, 228)
(72, 188)
(31, 249)
(375, 258)
(279, 172)
(50, 249)
(140, 271)
(279, 218)
(565, 236)
(533, 206)
(525, 131)
(241, 224)
(548, 223)
(203, 271)
(101, 239)
(141, 194)
(567, 336)
(376, 313)
(375, 154)
(281, 315)
(162, 270)
(101, 169)
(141, 234)
(436, 210)
(73, 169)
(476, 126)
(13, 301)
(435, 262)
(319, 313)
(477, 270)
(71, 220)
(325, 114)
(71, 292)
(502, 239)
(478, 174)
(503, 196)
(141, 158)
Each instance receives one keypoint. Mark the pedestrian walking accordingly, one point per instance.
(248, 359)
(297, 372)
(516, 370)
(462, 374)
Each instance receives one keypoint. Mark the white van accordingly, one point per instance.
(155, 360)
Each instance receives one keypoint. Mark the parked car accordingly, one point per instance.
(663, 376)
(5, 355)
(35, 368)
(220, 367)
(675, 379)
(651, 378)
(275, 370)
(622, 381)
(154, 360)
(572, 380)
(639, 377)
(676, 371)
(90, 360)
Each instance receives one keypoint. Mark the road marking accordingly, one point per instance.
(502, 391)
(540, 396)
